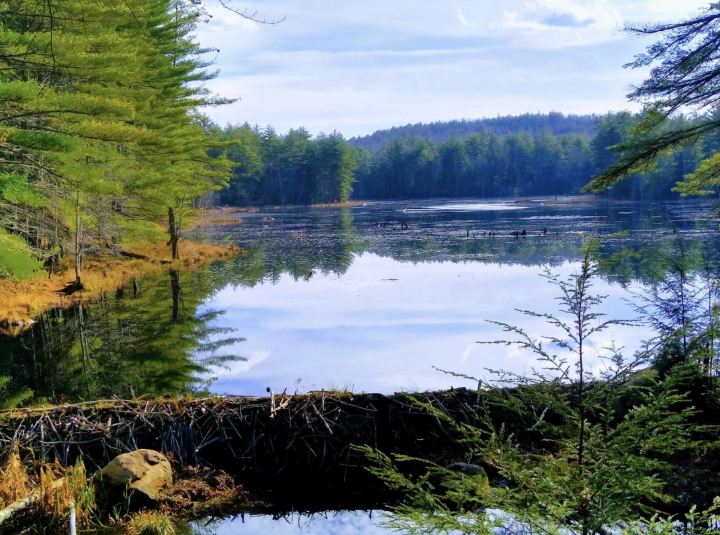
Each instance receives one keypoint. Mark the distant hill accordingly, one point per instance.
(533, 123)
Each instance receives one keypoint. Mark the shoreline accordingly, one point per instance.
(24, 301)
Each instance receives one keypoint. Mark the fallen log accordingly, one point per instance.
(10, 516)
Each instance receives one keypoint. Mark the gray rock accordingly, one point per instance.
(145, 471)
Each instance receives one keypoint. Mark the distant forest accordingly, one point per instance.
(536, 154)
(535, 124)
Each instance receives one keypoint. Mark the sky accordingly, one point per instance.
(356, 66)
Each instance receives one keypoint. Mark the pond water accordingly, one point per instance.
(331, 523)
(413, 285)
(368, 298)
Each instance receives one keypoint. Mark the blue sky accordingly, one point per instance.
(360, 65)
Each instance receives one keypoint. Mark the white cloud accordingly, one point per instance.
(562, 23)
(240, 368)
(462, 19)
(358, 66)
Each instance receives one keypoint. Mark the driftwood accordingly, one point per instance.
(10, 514)
(294, 441)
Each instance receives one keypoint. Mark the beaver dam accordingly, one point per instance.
(289, 448)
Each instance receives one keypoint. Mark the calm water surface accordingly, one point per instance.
(332, 523)
(369, 298)
(377, 298)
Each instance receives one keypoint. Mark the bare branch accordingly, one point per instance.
(250, 15)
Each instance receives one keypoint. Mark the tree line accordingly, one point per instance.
(296, 168)
(492, 165)
(481, 165)
(100, 135)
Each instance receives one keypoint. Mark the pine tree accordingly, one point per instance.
(685, 77)
(98, 108)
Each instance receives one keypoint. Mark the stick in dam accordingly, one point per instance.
(306, 437)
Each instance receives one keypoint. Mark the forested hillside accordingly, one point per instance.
(481, 165)
(297, 169)
(554, 123)
(491, 165)
(101, 143)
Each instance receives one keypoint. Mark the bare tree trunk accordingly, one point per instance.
(174, 234)
(78, 242)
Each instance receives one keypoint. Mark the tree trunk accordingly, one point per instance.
(173, 230)
(78, 243)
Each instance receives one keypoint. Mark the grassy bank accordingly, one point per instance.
(24, 300)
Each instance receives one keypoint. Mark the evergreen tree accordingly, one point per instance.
(685, 76)
(100, 134)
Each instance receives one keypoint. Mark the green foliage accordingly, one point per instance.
(290, 169)
(98, 113)
(697, 522)
(45, 141)
(17, 190)
(684, 76)
(491, 165)
(10, 397)
(483, 165)
(16, 259)
(535, 124)
(704, 181)
(150, 523)
(152, 338)
(575, 452)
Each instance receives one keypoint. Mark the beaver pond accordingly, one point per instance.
(369, 298)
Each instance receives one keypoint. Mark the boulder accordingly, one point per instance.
(144, 471)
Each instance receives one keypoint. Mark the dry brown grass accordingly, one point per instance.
(49, 490)
(149, 523)
(24, 300)
(201, 489)
(219, 217)
(14, 481)
(52, 493)
(60, 488)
